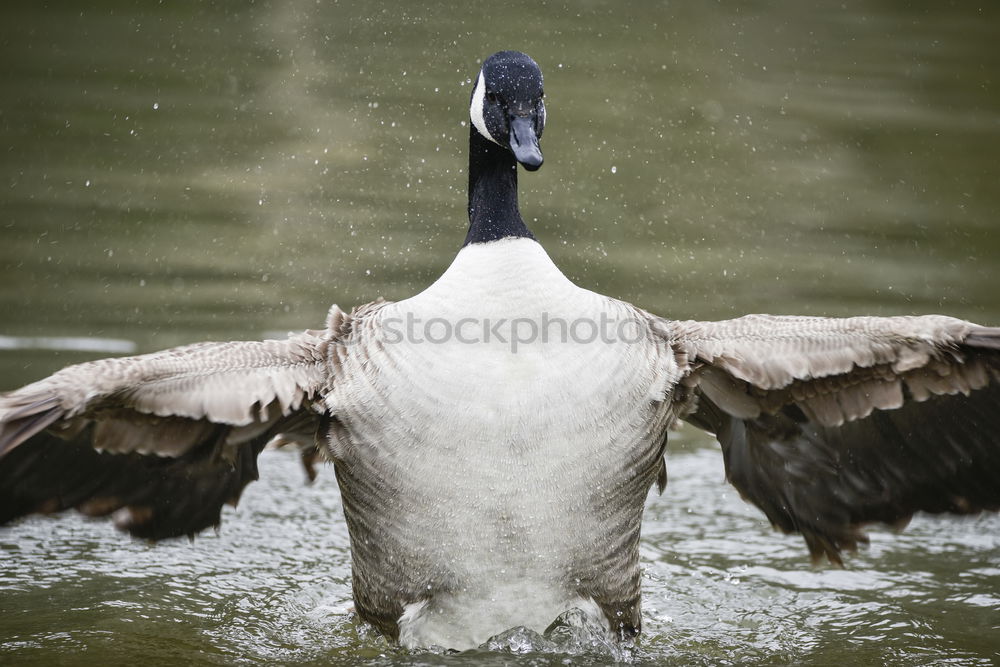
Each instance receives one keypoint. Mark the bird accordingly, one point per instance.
(494, 437)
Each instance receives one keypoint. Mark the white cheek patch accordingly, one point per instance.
(476, 109)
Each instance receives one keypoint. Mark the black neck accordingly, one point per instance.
(493, 212)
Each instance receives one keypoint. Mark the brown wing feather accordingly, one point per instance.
(823, 444)
(149, 496)
(159, 441)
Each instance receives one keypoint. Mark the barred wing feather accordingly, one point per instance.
(829, 424)
(160, 441)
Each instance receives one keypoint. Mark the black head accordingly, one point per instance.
(507, 105)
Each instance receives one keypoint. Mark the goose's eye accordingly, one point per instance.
(493, 98)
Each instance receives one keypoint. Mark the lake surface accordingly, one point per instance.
(183, 172)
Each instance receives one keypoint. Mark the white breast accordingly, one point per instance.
(493, 439)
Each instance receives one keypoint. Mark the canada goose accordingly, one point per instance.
(494, 437)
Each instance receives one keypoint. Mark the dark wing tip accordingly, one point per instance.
(150, 497)
(939, 455)
(832, 545)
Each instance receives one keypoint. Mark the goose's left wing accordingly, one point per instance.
(159, 441)
(829, 424)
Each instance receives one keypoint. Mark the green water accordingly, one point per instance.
(183, 171)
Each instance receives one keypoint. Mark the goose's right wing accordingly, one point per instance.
(160, 441)
(828, 424)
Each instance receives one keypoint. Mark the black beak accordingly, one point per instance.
(524, 142)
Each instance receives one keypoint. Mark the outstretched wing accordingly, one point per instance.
(828, 424)
(159, 441)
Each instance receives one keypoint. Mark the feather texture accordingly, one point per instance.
(829, 424)
(161, 440)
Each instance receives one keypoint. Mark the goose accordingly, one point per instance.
(494, 437)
